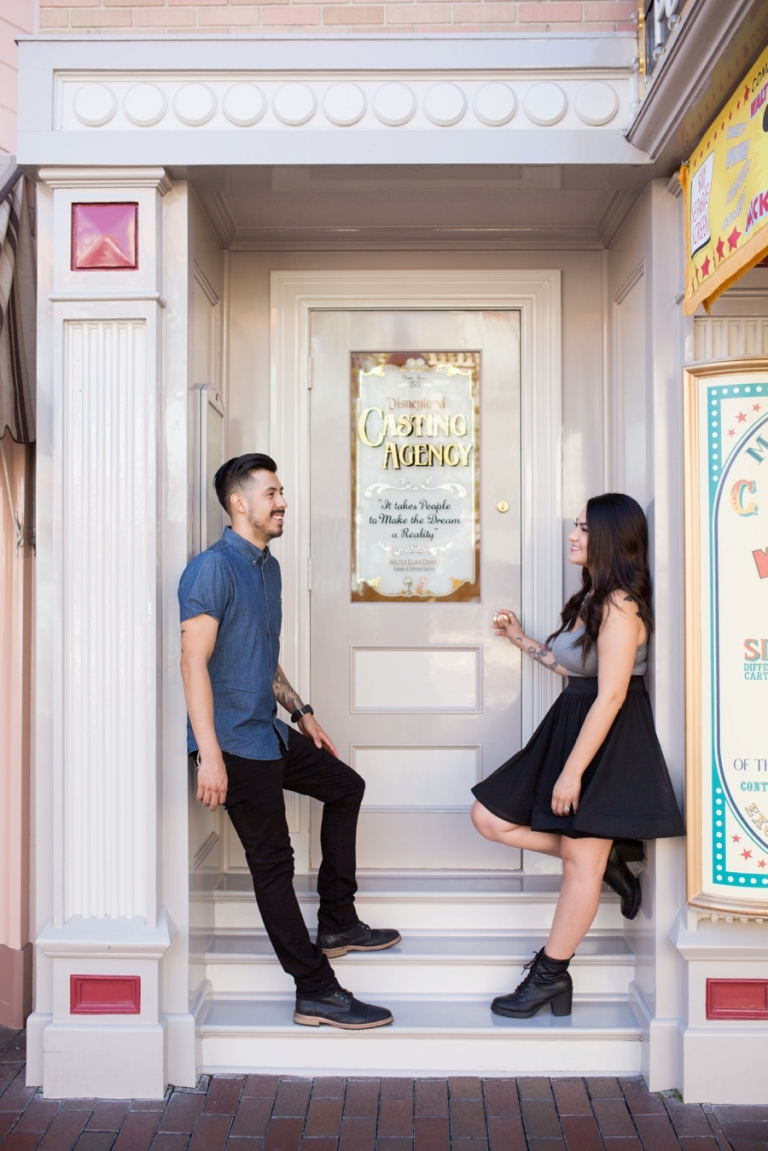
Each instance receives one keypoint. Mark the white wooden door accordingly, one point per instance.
(418, 695)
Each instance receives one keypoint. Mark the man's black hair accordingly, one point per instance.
(230, 475)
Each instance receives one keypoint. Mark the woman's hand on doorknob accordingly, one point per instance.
(506, 623)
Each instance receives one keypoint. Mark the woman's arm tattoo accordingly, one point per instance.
(544, 656)
(284, 693)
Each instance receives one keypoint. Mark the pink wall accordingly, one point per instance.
(17, 17)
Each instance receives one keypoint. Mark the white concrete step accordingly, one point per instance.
(433, 963)
(434, 901)
(430, 1036)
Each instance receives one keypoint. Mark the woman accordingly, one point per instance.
(592, 780)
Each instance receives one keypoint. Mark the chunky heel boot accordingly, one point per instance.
(563, 1005)
(630, 850)
(547, 982)
(621, 880)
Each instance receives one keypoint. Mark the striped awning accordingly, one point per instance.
(17, 312)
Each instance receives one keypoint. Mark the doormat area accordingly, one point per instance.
(286, 1113)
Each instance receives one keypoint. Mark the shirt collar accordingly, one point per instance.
(253, 554)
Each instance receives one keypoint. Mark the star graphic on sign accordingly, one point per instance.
(761, 863)
(722, 126)
(746, 95)
(731, 432)
(715, 135)
(736, 838)
(755, 407)
(733, 239)
(720, 248)
(705, 266)
(746, 854)
(738, 105)
(742, 417)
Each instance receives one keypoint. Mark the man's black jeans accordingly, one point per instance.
(257, 809)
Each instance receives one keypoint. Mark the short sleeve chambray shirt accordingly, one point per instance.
(240, 586)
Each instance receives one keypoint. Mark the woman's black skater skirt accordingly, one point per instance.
(626, 792)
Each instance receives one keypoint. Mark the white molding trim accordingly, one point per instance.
(80, 99)
(73, 93)
(537, 296)
(107, 178)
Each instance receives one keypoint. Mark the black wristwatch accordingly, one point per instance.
(305, 710)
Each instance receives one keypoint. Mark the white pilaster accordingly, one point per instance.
(105, 695)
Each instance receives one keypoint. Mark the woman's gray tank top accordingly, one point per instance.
(566, 653)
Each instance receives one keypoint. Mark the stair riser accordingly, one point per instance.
(325, 1051)
(368, 977)
(241, 914)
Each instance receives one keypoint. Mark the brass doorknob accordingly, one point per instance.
(502, 506)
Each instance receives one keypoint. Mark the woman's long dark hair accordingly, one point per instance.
(617, 549)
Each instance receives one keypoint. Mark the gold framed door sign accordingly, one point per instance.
(726, 580)
(415, 476)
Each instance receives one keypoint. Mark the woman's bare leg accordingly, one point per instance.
(584, 862)
(513, 834)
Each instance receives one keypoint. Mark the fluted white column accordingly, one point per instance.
(109, 421)
(109, 627)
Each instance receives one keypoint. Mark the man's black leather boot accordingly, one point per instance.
(339, 1008)
(621, 880)
(360, 937)
(547, 982)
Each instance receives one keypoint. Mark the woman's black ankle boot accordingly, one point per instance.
(547, 982)
(621, 880)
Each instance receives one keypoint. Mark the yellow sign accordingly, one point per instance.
(415, 476)
(726, 193)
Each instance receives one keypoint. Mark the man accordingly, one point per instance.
(231, 612)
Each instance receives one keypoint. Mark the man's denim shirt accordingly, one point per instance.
(240, 587)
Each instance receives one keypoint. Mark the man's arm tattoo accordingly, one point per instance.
(284, 693)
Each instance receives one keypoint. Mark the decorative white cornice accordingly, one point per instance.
(338, 100)
(107, 178)
(461, 99)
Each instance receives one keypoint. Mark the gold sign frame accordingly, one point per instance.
(707, 813)
(464, 362)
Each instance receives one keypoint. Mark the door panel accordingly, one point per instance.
(419, 696)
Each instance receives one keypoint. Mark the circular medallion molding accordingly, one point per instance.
(194, 104)
(95, 104)
(394, 104)
(445, 104)
(597, 103)
(495, 104)
(294, 104)
(545, 103)
(244, 104)
(344, 104)
(145, 104)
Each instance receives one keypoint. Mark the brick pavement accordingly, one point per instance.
(288, 1113)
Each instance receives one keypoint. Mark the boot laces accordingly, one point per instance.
(529, 967)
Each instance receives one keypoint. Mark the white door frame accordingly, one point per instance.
(536, 295)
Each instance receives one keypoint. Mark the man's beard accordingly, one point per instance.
(270, 527)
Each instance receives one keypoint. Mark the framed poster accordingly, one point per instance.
(415, 476)
(726, 581)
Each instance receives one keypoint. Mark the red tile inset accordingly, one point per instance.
(737, 999)
(105, 237)
(105, 994)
